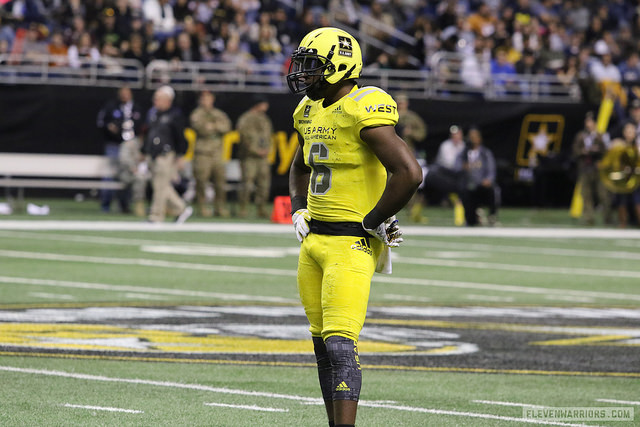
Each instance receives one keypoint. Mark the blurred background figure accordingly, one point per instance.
(165, 144)
(120, 120)
(621, 168)
(479, 177)
(413, 130)
(588, 150)
(210, 125)
(255, 129)
(444, 177)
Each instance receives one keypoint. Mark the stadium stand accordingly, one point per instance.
(431, 49)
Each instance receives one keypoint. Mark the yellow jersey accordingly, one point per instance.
(347, 179)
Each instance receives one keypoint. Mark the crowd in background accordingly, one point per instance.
(594, 40)
(595, 43)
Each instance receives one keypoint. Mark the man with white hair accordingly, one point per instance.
(164, 142)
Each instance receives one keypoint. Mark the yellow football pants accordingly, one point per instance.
(334, 279)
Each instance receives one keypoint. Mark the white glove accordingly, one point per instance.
(301, 219)
(388, 232)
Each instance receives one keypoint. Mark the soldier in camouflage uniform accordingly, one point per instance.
(210, 125)
(255, 129)
(413, 130)
(410, 125)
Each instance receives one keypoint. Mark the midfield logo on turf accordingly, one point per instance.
(362, 245)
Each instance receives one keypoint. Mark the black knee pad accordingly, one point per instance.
(345, 364)
(325, 374)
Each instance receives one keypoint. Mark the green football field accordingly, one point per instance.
(106, 320)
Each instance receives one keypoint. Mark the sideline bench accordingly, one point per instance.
(62, 171)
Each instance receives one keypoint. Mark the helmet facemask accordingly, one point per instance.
(308, 70)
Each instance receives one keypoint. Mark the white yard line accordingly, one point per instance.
(472, 415)
(169, 384)
(247, 407)
(541, 251)
(132, 295)
(503, 288)
(300, 399)
(46, 295)
(479, 247)
(493, 298)
(292, 273)
(224, 227)
(141, 289)
(43, 256)
(533, 269)
(622, 402)
(163, 246)
(406, 298)
(569, 298)
(103, 408)
(500, 403)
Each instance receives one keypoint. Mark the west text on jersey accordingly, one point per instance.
(381, 108)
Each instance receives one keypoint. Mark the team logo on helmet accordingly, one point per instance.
(344, 47)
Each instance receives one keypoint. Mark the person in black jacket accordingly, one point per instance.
(164, 145)
(120, 121)
(480, 187)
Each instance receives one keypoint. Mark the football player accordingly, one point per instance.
(351, 174)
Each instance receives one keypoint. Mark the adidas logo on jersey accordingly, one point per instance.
(362, 245)
(343, 387)
(338, 110)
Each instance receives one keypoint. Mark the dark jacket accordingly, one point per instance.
(165, 133)
(115, 112)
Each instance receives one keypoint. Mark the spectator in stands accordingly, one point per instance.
(588, 149)
(186, 51)
(576, 15)
(168, 51)
(4, 47)
(58, 50)
(160, 13)
(6, 33)
(210, 125)
(107, 33)
(120, 121)
(344, 11)
(632, 117)
(35, 45)
(528, 64)
(374, 25)
(550, 57)
(483, 21)
(607, 76)
(137, 50)
(267, 48)
(235, 55)
(75, 30)
(501, 70)
(630, 71)
(124, 15)
(479, 178)
(165, 146)
(83, 51)
(182, 9)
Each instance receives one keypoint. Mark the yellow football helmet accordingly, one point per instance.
(325, 56)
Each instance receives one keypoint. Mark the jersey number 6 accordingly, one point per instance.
(321, 176)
